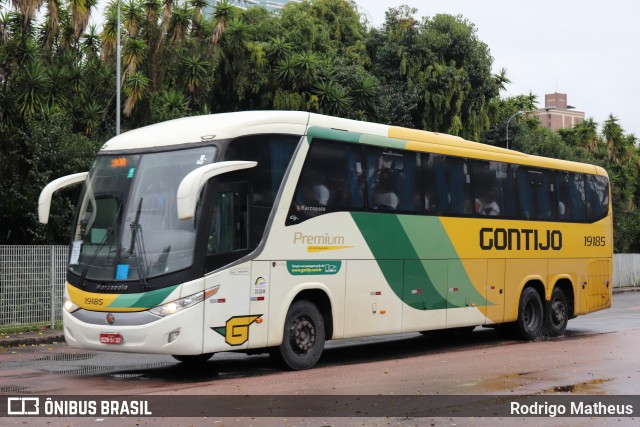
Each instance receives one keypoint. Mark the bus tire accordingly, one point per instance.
(303, 338)
(556, 314)
(530, 315)
(193, 359)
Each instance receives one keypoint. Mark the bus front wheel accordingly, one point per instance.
(303, 339)
(556, 314)
(530, 315)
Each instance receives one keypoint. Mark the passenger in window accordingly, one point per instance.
(384, 196)
(490, 207)
(561, 209)
(314, 192)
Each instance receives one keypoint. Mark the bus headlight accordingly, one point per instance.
(69, 306)
(177, 305)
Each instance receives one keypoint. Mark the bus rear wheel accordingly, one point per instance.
(530, 315)
(303, 339)
(193, 359)
(556, 314)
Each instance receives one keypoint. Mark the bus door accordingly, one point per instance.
(227, 313)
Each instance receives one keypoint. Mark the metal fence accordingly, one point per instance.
(626, 271)
(32, 282)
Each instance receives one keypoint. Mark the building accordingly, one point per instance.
(270, 5)
(557, 114)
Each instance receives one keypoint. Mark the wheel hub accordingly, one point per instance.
(303, 335)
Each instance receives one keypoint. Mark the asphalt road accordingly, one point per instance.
(597, 356)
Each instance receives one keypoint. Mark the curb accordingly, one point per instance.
(31, 340)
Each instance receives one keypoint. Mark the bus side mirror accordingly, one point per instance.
(189, 188)
(44, 201)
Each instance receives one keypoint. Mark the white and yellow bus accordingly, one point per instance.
(280, 230)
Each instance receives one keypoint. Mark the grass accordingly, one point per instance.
(33, 327)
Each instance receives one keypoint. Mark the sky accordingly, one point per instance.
(587, 49)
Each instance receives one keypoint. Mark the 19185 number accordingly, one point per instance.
(595, 241)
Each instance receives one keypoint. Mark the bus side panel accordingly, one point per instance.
(424, 295)
(564, 269)
(463, 298)
(290, 279)
(371, 307)
(599, 287)
(518, 273)
(260, 297)
(228, 320)
(495, 290)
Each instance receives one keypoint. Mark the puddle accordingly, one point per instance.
(126, 376)
(588, 387)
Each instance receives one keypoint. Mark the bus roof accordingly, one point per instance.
(199, 129)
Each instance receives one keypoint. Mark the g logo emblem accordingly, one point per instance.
(110, 319)
(236, 330)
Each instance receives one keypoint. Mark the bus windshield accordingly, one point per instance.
(127, 225)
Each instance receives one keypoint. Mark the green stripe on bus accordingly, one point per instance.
(383, 141)
(418, 248)
(333, 134)
(142, 300)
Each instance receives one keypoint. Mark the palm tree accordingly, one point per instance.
(51, 24)
(80, 14)
(135, 87)
(501, 80)
(285, 71)
(133, 53)
(27, 9)
(223, 13)
(109, 31)
(365, 92)
(612, 133)
(166, 14)
(91, 116)
(91, 42)
(587, 134)
(179, 24)
(278, 48)
(305, 65)
(132, 17)
(34, 83)
(197, 5)
(333, 98)
(195, 70)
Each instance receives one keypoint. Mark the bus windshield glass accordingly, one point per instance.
(127, 226)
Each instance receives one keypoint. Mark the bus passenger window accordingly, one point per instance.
(447, 185)
(330, 181)
(490, 183)
(393, 182)
(597, 197)
(571, 196)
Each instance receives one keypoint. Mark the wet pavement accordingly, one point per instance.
(597, 356)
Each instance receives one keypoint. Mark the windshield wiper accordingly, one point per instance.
(136, 237)
(88, 265)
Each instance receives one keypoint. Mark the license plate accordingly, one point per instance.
(111, 338)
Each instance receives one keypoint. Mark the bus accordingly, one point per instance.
(275, 231)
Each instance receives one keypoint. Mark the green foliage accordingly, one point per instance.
(58, 81)
(612, 149)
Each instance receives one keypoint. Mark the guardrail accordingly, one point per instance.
(32, 282)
